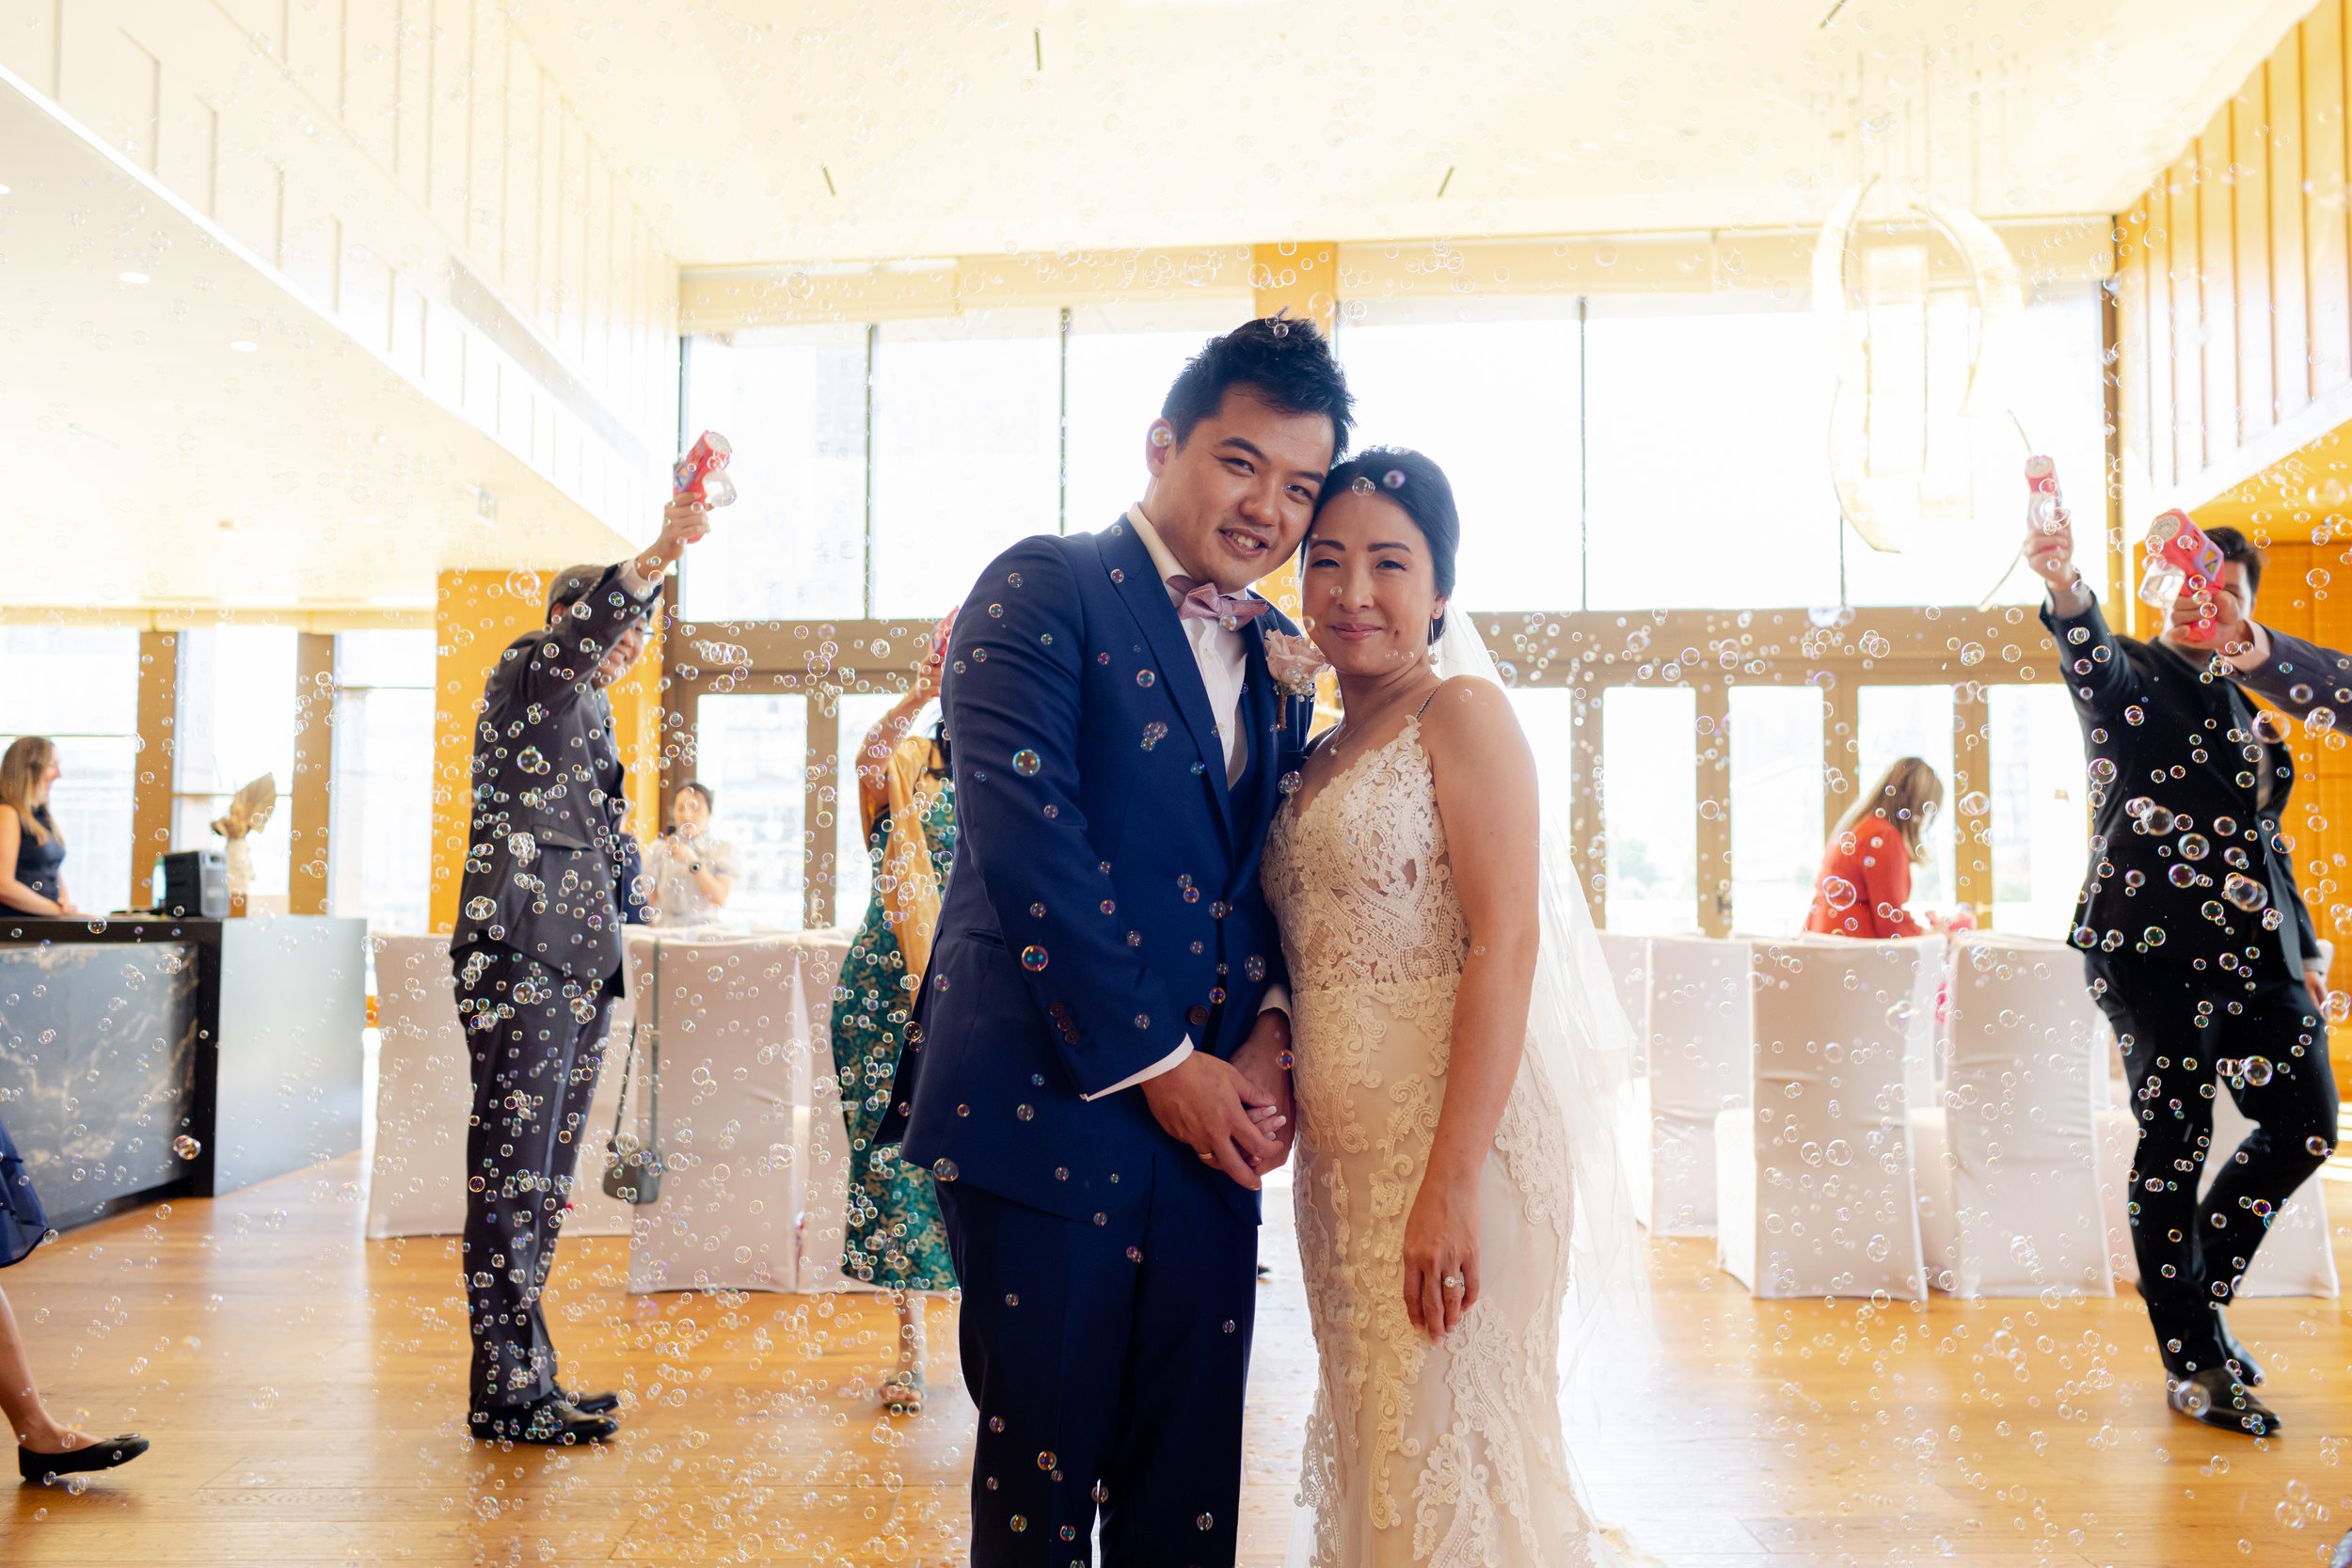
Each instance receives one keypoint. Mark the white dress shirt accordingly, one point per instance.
(1224, 660)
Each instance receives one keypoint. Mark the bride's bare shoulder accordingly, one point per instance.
(1470, 720)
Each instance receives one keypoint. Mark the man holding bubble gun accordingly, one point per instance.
(2196, 943)
(537, 954)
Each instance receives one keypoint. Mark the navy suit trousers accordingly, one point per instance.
(1108, 1356)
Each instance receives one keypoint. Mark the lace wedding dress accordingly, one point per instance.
(1416, 1453)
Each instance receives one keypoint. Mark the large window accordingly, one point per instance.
(380, 816)
(878, 468)
(1776, 792)
(793, 403)
(967, 451)
(2041, 810)
(1492, 397)
(752, 751)
(1650, 800)
(2056, 407)
(1704, 457)
(237, 690)
(79, 687)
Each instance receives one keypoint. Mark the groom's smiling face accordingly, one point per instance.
(1232, 500)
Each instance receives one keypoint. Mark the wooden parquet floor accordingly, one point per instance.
(300, 1386)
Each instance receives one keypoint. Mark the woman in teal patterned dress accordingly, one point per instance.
(892, 1235)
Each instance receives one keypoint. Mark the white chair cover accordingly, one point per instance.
(2009, 1189)
(424, 1098)
(1817, 1193)
(2295, 1258)
(1700, 1043)
(742, 1030)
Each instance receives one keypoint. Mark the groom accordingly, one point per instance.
(1101, 1077)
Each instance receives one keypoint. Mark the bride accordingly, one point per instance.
(1456, 1045)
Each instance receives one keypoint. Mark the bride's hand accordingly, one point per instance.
(1441, 1246)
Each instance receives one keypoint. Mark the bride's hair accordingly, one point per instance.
(1420, 488)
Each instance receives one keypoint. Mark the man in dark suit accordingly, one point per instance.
(2200, 952)
(538, 957)
(1103, 1070)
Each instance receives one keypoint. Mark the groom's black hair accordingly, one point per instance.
(1286, 362)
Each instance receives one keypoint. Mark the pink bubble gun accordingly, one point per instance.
(2181, 560)
(2046, 504)
(701, 475)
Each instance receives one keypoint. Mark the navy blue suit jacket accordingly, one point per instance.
(1105, 903)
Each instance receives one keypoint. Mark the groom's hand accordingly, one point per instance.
(1204, 1103)
(1260, 1061)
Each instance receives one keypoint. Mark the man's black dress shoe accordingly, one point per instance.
(550, 1422)
(43, 1469)
(604, 1403)
(2249, 1372)
(2217, 1399)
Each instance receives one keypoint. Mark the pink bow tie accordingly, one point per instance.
(1203, 602)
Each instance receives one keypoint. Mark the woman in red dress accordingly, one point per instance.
(1865, 882)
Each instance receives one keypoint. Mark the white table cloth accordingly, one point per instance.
(416, 1141)
(754, 1155)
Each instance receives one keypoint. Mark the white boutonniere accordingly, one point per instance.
(1294, 662)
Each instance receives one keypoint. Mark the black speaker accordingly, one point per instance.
(193, 882)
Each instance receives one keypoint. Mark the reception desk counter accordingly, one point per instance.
(145, 1058)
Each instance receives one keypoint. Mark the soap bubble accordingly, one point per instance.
(1026, 763)
(186, 1148)
(1838, 894)
(2244, 891)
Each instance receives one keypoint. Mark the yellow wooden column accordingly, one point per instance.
(475, 615)
(1302, 278)
(159, 759)
(310, 886)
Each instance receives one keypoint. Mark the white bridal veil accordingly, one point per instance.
(1578, 1032)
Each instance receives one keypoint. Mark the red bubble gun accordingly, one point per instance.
(701, 475)
(2181, 560)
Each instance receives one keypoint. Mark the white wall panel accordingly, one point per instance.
(370, 150)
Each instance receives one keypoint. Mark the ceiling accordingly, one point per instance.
(151, 465)
(808, 130)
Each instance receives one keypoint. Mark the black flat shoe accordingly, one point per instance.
(549, 1423)
(2219, 1400)
(2249, 1370)
(43, 1469)
(605, 1403)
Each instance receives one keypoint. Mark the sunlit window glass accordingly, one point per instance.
(751, 750)
(1649, 793)
(236, 723)
(78, 686)
(967, 451)
(793, 403)
(2040, 809)
(1489, 392)
(1776, 791)
(1705, 470)
(380, 820)
(2054, 406)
